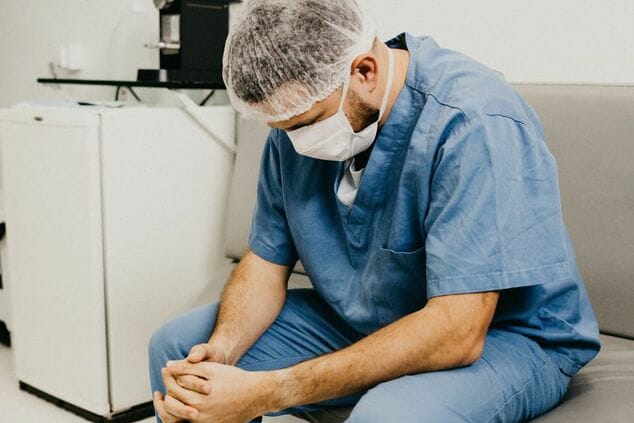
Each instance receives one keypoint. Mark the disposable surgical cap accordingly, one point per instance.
(283, 56)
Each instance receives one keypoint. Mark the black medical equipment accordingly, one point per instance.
(191, 42)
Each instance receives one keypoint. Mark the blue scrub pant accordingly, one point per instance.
(513, 381)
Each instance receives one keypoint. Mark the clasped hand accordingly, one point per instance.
(201, 388)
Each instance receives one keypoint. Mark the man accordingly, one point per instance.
(417, 190)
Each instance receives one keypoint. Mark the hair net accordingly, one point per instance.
(283, 56)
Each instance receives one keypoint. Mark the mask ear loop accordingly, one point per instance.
(388, 83)
(344, 91)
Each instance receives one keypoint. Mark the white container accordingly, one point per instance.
(114, 225)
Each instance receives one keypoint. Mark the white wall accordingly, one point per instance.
(108, 36)
(586, 41)
(576, 41)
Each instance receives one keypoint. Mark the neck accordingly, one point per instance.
(401, 65)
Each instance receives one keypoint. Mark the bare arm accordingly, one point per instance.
(250, 302)
(448, 332)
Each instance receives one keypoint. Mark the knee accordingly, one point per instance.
(368, 410)
(378, 404)
(162, 343)
(173, 340)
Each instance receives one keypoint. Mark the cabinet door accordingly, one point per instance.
(50, 165)
(165, 193)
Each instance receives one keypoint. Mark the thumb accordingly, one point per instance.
(197, 353)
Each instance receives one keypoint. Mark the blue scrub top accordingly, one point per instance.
(460, 195)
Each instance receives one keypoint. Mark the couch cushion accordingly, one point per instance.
(326, 415)
(590, 131)
(603, 391)
(251, 137)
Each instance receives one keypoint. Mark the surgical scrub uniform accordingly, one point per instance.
(459, 195)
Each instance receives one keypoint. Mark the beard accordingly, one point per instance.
(363, 113)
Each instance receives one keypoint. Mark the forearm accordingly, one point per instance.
(419, 342)
(249, 304)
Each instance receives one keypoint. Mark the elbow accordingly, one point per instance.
(472, 351)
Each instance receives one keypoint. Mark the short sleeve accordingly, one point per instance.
(270, 237)
(494, 219)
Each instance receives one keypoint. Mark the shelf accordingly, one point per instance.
(146, 84)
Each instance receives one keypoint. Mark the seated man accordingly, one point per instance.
(417, 190)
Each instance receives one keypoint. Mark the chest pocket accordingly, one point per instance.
(401, 284)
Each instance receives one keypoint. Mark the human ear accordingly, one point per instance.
(364, 70)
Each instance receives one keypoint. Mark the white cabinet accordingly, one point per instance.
(5, 304)
(114, 225)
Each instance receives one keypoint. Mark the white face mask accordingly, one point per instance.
(333, 138)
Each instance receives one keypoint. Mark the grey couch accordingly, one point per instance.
(590, 131)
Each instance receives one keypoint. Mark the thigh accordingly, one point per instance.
(305, 327)
(513, 381)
